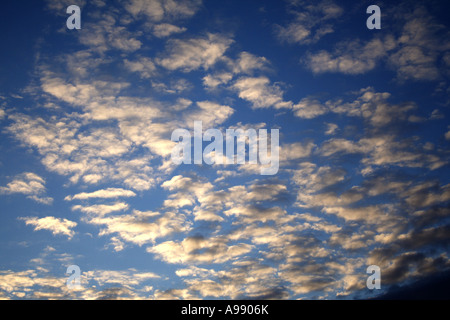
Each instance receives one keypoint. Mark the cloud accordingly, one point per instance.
(248, 63)
(157, 10)
(246, 280)
(174, 294)
(95, 285)
(208, 203)
(384, 141)
(125, 278)
(260, 92)
(331, 128)
(105, 35)
(410, 265)
(213, 81)
(245, 64)
(199, 250)
(350, 57)
(195, 53)
(311, 23)
(309, 108)
(103, 194)
(420, 47)
(211, 114)
(249, 214)
(165, 29)
(144, 66)
(369, 214)
(55, 225)
(101, 209)
(383, 150)
(28, 184)
(314, 178)
(427, 194)
(414, 53)
(60, 6)
(140, 227)
(91, 155)
(16, 283)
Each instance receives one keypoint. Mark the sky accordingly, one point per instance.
(87, 178)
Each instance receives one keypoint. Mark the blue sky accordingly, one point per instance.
(86, 176)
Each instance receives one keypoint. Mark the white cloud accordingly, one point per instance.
(144, 66)
(210, 113)
(195, 53)
(331, 128)
(248, 63)
(199, 250)
(93, 154)
(103, 194)
(166, 29)
(177, 87)
(260, 92)
(421, 44)
(415, 53)
(55, 225)
(249, 214)
(309, 108)
(105, 34)
(126, 278)
(141, 227)
(296, 150)
(213, 81)
(28, 184)
(351, 57)
(101, 209)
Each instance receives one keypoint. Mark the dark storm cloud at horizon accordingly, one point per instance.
(86, 176)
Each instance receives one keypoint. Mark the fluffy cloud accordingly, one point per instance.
(351, 57)
(420, 47)
(29, 184)
(55, 225)
(199, 250)
(260, 92)
(144, 66)
(414, 53)
(247, 280)
(141, 227)
(195, 53)
(106, 35)
(309, 108)
(95, 285)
